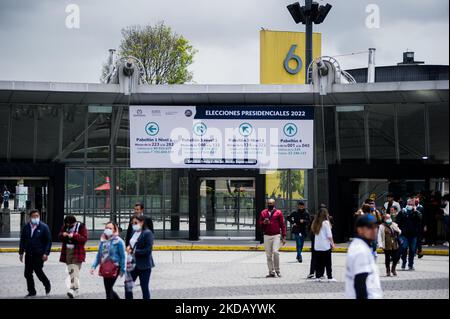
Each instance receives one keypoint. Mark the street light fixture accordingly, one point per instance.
(309, 14)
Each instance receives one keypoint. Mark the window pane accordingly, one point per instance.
(438, 123)
(4, 118)
(22, 132)
(48, 132)
(411, 131)
(351, 133)
(382, 131)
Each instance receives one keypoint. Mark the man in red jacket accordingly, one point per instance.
(73, 236)
(271, 221)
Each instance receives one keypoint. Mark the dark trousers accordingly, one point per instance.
(299, 241)
(312, 267)
(446, 227)
(391, 256)
(109, 288)
(408, 248)
(34, 263)
(323, 261)
(144, 279)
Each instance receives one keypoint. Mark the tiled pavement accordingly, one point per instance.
(211, 274)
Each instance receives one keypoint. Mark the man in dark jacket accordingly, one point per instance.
(409, 221)
(299, 220)
(138, 211)
(35, 243)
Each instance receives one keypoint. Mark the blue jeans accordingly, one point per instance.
(299, 240)
(144, 279)
(411, 244)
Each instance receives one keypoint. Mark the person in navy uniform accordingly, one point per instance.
(35, 243)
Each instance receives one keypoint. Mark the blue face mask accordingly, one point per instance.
(35, 221)
(136, 227)
(409, 207)
(389, 221)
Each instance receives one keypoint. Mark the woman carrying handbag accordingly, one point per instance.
(111, 258)
(140, 259)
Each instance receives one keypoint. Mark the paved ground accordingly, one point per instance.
(210, 274)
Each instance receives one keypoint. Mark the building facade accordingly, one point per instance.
(64, 149)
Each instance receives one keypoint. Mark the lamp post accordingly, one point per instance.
(309, 14)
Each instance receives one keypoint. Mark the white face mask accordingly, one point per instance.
(409, 207)
(108, 232)
(136, 227)
(35, 221)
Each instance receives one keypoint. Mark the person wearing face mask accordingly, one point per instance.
(35, 243)
(388, 240)
(271, 221)
(73, 235)
(111, 257)
(300, 223)
(140, 248)
(409, 220)
(138, 211)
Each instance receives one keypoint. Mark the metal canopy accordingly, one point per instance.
(12, 92)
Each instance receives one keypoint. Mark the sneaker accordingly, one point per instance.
(47, 291)
(332, 280)
(411, 268)
(322, 279)
(271, 275)
(403, 266)
(310, 276)
(300, 259)
(420, 256)
(29, 295)
(71, 294)
(278, 274)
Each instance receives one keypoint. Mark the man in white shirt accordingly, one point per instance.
(362, 280)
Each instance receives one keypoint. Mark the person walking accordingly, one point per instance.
(409, 221)
(111, 257)
(388, 241)
(73, 235)
(390, 202)
(140, 249)
(6, 195)
(362, 280)
(445, 205)
(271, 221)
(299, 220)
(323, 245)
(138, 211)
(35, 244)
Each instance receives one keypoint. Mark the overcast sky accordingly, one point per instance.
(36, 45)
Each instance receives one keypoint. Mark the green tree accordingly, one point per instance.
(165, 55)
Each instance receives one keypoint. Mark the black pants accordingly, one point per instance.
(323, 261)
(34, 263)
(109, 288)
(312, 267)
(391, 256)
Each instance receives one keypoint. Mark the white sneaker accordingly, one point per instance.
(322, 279)
(71, 294)
(332, 280)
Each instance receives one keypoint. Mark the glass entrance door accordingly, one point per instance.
(227, 207)
(17, 197)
